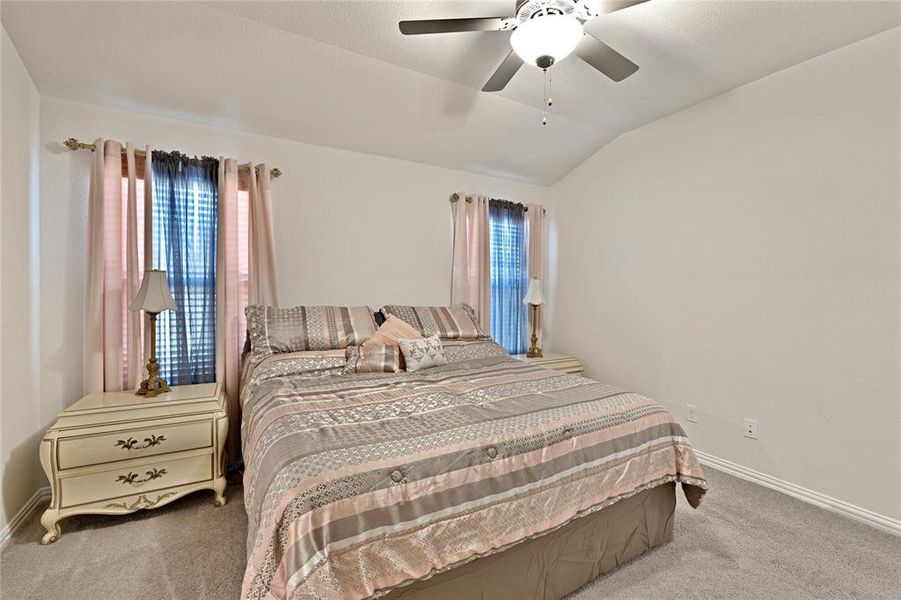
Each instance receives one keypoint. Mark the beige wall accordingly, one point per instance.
(19, 398)
(743, 256)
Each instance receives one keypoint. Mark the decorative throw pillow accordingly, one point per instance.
(274, 330)
(373, 358)
(423, 353)
(392, 330)
(456, 322)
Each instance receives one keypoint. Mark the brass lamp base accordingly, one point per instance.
(534, 351)
(153, 385)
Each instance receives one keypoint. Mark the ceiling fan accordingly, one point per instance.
(544, 32)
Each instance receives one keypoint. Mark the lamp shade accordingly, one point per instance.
(534, 295)
(154, 296)
(550, 35)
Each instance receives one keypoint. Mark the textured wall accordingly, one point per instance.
(19, 385)
(743, 256)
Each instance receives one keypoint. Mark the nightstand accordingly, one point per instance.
(554, 361)
(116, 452)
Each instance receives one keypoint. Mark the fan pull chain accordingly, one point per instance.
(550, 89)
(545, 100)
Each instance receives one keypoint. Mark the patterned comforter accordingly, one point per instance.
(356, 484)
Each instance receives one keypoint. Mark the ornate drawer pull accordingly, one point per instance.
(132, 478)
(149, 442)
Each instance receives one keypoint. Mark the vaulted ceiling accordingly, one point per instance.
(339, 73)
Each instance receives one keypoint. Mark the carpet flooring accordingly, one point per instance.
(744, 542)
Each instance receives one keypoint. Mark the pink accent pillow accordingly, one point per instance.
(393, 329)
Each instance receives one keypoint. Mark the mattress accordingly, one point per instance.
(362, 485)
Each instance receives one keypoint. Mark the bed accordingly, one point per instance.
(482, 478)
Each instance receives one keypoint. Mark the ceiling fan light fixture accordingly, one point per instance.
(554, 36)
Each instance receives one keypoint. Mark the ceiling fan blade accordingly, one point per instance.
(604, 58)
(503, 74)
(453, 25)
(608, 6)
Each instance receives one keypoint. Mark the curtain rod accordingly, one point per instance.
(73, 144)
(455, 196)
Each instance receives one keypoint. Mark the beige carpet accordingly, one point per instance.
(744, 542)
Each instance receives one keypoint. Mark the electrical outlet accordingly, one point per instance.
(691, 413)
(751, 428)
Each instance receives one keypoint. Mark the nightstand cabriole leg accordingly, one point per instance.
(50, 518)
(50, 521)
(219, 488)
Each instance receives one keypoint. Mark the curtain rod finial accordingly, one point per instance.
(276, 172)
(72, 144)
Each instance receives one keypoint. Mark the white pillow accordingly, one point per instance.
(422, 353)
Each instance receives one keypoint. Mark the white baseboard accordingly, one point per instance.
(39, 496)
(835, 505)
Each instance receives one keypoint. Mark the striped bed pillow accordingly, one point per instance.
(457, 322)
(274, 330)
(373, 358)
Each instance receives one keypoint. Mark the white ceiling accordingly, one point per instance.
(339, 73)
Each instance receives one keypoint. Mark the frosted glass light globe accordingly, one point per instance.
(549, 35)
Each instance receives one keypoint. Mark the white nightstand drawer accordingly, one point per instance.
(125, 480)
(133, 443)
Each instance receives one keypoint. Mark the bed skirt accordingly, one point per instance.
(562, 561)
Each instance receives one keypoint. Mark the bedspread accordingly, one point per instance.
(357, 484)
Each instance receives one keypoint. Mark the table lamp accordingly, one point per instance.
(153, 298)
(534, 298)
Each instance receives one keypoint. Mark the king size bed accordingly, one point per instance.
(484, 477)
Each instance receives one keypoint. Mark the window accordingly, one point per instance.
(185, 196)
(508, 274)
(184, 244)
